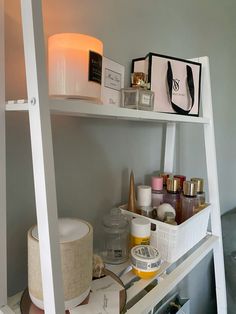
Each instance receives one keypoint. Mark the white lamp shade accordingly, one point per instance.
(75, 66)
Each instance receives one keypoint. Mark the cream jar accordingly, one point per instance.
(145, 261)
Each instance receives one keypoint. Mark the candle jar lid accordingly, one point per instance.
(115, 221)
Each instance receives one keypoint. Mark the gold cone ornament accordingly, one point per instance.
(132, 198)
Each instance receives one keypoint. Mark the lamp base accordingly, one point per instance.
(70, 304)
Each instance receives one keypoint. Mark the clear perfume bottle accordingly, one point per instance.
(172, 196)
(138, 96)
(189, 201)
(200, 192)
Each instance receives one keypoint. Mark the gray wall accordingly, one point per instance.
(93, 157)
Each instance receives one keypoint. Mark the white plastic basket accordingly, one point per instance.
(174, 241)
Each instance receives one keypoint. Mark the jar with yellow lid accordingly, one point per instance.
(140, 231)
(145, 261)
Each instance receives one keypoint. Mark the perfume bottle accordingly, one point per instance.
(200, 192)
(157, 191)
(138, 96)
(181, 180)
(165, 176)
(189, 201)
(172, 196)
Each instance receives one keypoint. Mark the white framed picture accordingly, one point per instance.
(112, 81)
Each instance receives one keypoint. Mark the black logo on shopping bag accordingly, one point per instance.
(175, 84)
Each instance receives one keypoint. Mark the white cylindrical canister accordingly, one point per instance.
(76, 246)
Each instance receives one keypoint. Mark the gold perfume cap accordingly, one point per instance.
(199, 184)
(189, 188)
(165, 176)
(173, 184)
(139, 79)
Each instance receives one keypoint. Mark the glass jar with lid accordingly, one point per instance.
(116, 237)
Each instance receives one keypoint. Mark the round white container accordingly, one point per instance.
(76, 246)
(144, 195)
(145, 261)
(68, 66)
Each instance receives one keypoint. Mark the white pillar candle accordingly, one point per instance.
(75, 66)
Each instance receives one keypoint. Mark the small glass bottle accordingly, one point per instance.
(189, 201)
(157, 191)
(172, 196)
(116, 237)
(170, 219)
(200, 192)
(138, 96)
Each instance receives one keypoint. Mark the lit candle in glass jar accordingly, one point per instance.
(75, 66)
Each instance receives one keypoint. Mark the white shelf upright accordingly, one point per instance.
(3, 229)
(212, 178)
(39, 107)
(42, 154)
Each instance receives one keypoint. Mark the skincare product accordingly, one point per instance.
(173, 196)
(145, 261)
(165, 176)
(181, 180)
(189, 201)
(200, 192)
(157, 191)
(140, 231)
(144, 196)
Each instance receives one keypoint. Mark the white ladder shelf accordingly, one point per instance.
(39, 108)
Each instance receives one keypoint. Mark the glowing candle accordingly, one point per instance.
(75, 66)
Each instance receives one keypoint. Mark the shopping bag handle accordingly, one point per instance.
(190, 84)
